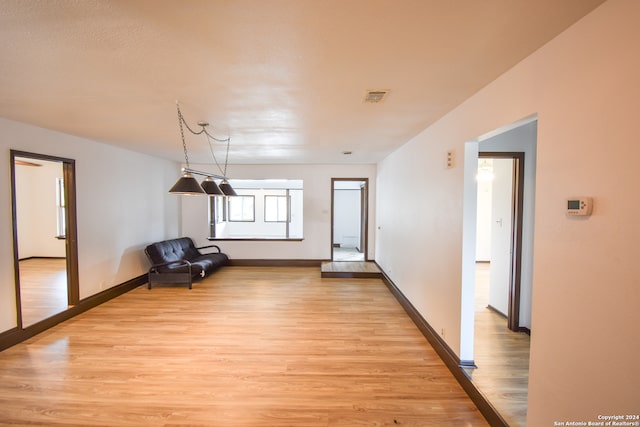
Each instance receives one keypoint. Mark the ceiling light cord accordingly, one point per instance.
(226, 159)
(222, 171)
(201, 131)
(184, 144)
(187, 184)
(210, 138)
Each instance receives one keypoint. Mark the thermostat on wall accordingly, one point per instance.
(579, 206)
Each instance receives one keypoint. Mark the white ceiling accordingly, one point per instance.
(285, 79)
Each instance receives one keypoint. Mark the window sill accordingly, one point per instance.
(254, 239)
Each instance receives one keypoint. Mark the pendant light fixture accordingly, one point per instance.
(210, 187)
(227, 189)
(187, 184)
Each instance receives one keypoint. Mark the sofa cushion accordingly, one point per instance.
(172, 250)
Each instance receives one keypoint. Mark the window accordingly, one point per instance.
(276, 208)
(61, 228)
(264, 209)
(241, 208)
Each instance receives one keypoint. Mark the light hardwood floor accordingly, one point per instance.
(349, 267)
(43, 288)
(248, 346)
(502, 357)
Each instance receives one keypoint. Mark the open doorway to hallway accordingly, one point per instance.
(497, 279)
(500, 182)
(45, 236)
(349, 225)
(349, 217)
(501, 353)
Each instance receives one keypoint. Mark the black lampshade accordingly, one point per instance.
(210, 187)
(227, 189)
(188, 185)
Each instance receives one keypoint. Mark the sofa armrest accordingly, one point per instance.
(210, 246)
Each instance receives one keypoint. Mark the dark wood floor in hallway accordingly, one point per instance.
(248, 346)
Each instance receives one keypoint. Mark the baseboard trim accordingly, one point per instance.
(15, 336)
(276, 262)
(8, 336)
(492, 308)
(520, 328)
(450, 359)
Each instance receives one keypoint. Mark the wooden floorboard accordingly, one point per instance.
(501, 355)
(43, 288)
(247, 346)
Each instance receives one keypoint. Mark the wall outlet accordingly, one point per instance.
(451, 159)
(442, 332)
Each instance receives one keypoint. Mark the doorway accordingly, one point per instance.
(44, 236)
(349, 219)
(493, 355)
(502, 175)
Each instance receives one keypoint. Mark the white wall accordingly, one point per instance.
(346, 218)
(122, 205)
(37, 210)
(483, 222)
(317, 211)
(583, 86)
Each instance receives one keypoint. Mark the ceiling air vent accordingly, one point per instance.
(375, 96)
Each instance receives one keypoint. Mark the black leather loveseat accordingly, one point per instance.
(179, 261)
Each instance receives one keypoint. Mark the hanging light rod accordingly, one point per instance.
(201, 173)
(187, 184)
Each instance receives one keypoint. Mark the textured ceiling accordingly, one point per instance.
(285, 79)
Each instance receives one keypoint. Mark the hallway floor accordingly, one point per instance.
(347, 254)
(502, 357)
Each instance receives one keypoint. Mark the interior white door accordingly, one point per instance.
(501, 234)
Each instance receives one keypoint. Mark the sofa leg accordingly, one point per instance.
(169, 278)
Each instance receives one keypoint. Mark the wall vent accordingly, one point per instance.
(375, 96)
